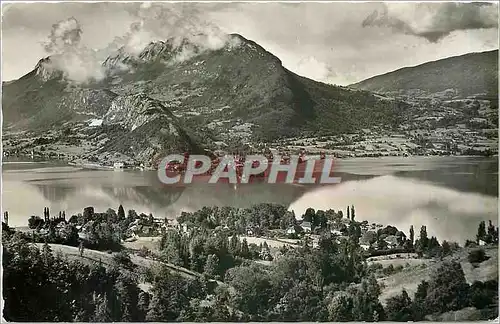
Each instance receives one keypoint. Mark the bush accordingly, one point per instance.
(477, 256)
(143, 252)
(123, 259)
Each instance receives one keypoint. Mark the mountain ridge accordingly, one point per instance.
(439, 75)
(182, 96)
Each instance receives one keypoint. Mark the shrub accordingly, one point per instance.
(477, 256)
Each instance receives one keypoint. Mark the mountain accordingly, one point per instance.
(181, 96)
(470, 74)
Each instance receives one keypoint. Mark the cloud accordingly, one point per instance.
(433, 21)
(78, 63)
(324, 41)
(151, 22)
(64, 34)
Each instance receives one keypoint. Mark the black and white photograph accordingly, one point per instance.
(249, 161)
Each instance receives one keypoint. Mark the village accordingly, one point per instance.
(136, 231)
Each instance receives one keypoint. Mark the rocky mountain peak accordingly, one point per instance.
(46, 69)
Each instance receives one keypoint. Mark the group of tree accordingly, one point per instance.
(430, 247)
(209, 252)
(259, 218)
(489, 236)
(332, 282)
(102, 231)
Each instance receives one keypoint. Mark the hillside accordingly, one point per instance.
(470, 74)
(177, 97)
(412, 275)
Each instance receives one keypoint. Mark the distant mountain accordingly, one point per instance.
(172, 95)
(470, 74)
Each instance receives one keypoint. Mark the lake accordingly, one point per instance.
(448, 194)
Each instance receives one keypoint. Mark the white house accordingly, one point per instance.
(306, 226)
(392, 241)
(336, 232)
(185, 228)
(365, 246)
(481, 242)
(291, 230)
(95, 122)
(118, 165)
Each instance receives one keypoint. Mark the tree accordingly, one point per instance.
(170, 296)
(419, 309)
(126, 296)
(446, 248)
(340, 308)
(320, 220)
(412, 235)
(212, 265)
(398, 308)
(245, 252)
(252, 289)
(485, 294)
(70, 235)
(448, 290)
(423, 241)
(102, 312)
(143, 306)
(366, 301)
(492, 237)
(309, 215)
(477, 256)
(122, 259)
(88, 213)
(353, 214)
(481, 232)
(121, 213)
(348, 213)
(35, 222)
(234, 245)
(433, 247)
(301, 303)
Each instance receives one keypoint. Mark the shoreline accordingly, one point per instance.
(96, 166)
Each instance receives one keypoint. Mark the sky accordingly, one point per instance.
(339, 43)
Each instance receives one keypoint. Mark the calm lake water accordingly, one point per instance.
(448, 194)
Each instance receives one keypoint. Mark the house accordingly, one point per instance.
(392, 241)
(306, 226)
(184, 227)
(345, 221)
(481, 242)
(250, 231)
(132, 238)
(336, 232)
(61, 225)
(291, 230)
(158, 221)
(146, 230)
(86, 228)
(172, 223)
(118, 165)
(134, 228)
(365, 246)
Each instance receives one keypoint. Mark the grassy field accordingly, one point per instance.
(150, 242)
(93, 256)
(411, 276)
